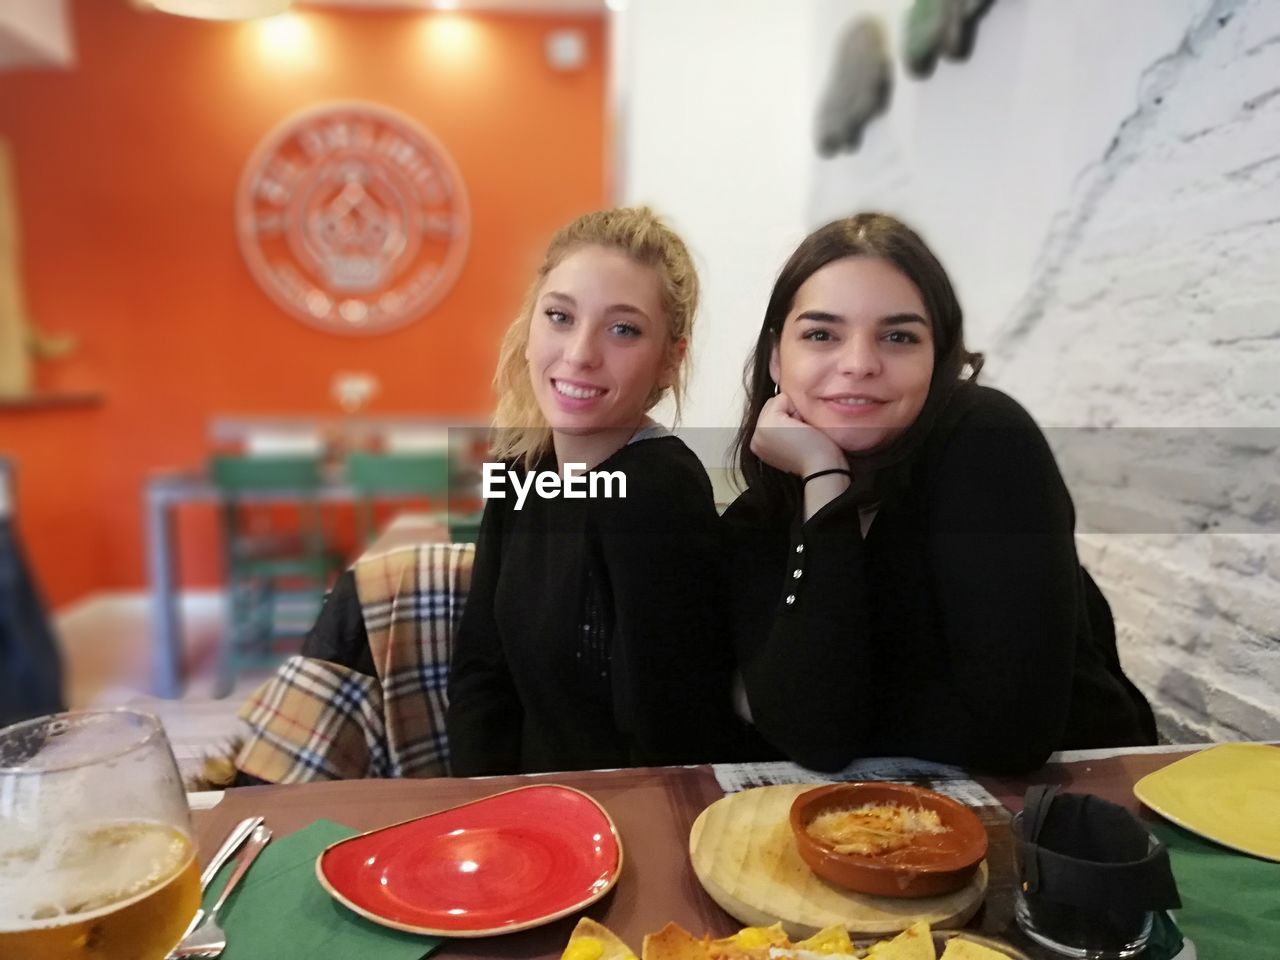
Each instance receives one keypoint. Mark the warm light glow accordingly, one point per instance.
(617, 6)
(451, 38)
(445, 4)
(286, 39)
(222, 9)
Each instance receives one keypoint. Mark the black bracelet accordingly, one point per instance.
(824, 473)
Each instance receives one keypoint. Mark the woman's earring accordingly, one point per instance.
(776, 389)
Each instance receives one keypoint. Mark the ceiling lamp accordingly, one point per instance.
(222, 9)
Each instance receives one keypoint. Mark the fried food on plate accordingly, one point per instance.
(594, 941)
(673, 942)
(832, 940)
(749, 942)
(913, 943)
(959, 949)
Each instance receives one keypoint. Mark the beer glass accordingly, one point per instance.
(96, 855)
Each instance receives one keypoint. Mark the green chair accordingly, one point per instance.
(399, 476)
(464, 528)
(276, 572)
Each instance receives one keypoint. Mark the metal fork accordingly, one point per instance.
(238, 835)
(209, 940)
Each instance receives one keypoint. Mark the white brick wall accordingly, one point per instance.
(1167, 264)
(1152, 301)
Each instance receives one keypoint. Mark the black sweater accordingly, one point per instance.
(962, 629)
(522, 697)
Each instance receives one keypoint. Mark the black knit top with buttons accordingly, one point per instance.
(962, 628)
(591, 634)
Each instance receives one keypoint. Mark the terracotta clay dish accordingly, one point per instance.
(914, 863)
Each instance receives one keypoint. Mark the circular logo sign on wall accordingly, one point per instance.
(353, 218)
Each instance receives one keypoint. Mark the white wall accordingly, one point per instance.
(1102, 180)
(716, 136)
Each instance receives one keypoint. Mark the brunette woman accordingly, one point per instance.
(903, 564)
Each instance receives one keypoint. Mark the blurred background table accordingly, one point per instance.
(165, 491)
(339, 444)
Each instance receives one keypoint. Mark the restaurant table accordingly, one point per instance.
(654, 810)
(165, 491)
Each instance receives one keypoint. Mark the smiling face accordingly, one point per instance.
(599, 344)
(855, 353)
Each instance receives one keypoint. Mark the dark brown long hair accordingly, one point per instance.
(862, 235)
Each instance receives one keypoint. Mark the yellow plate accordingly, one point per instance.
(1228, 793)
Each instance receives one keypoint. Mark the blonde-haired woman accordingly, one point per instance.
(590, 638)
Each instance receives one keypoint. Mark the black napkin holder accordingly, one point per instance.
(1090, 871)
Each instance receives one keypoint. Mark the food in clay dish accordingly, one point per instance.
(876, 829)
(887, 839)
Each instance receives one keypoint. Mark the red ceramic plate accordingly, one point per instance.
(504, 863)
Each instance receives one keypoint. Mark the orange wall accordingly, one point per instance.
(55, 455)
(127, 167)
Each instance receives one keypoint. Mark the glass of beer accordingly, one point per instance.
(96, 856)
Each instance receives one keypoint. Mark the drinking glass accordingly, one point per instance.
(97, 860)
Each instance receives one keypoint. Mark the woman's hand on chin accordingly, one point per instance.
(785, 442)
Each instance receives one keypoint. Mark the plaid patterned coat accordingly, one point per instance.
(317, 720)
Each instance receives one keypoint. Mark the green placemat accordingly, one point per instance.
(1230, 900)
(281, 911)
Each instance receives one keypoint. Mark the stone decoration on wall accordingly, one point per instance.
(861, 82)
(353, 218)
(860, 87)
(940, 28)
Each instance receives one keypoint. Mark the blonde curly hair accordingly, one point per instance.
(520, 430)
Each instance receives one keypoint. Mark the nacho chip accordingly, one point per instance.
(673, 942)
(751, 941)
(913, 943)
(959, 949)
(594, 941)
(831, 940)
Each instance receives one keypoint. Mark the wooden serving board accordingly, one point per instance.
(745, 857)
